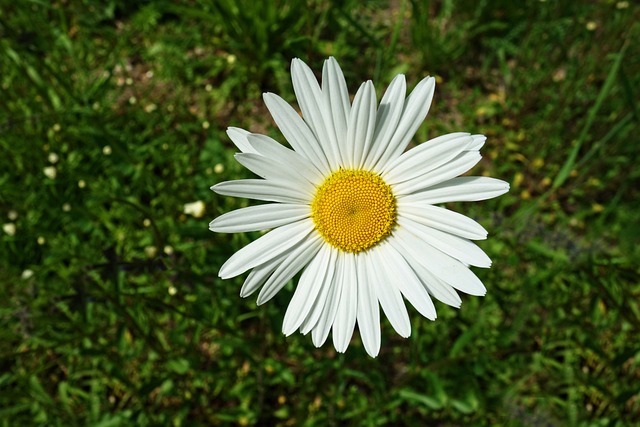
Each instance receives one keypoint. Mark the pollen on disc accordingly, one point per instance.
(354, 209)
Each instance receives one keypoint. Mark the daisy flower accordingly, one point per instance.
(353, 211)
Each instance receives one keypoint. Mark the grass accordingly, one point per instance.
(112, 313)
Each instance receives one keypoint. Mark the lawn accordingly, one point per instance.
(112, 130)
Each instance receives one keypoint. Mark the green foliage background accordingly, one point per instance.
(111, 311)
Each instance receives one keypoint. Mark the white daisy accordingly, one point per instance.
(353, 211)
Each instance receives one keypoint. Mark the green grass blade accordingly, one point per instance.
(569, 164)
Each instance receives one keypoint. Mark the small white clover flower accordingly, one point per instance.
(355, 212)
(53, 158)
(50, 172)
(150, 251)
(9, 228)
(195, 209)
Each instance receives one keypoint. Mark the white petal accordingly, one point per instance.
(436, 287)
(294, 262)
(387, 118)
(415, 110)
(312, 104)
(274, 150)
(442, 219)
(478, 142)
(462, 249)
(460, 189)
(259, 275)
(407, 281)
(269, 246)
(326, 290)
(336, 95)
(296, 131)
(362, 122)
(426, 157)
(273, 170)
(345, 320)
(461, 164)
(260, 217)
(445, 267)
(308, 288)
(368, 315)
(388, 293)
(239, 138)
(261, 189)
(323, 326)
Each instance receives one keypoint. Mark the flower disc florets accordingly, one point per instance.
(354, 209)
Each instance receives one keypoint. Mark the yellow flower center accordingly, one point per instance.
(353, 209)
